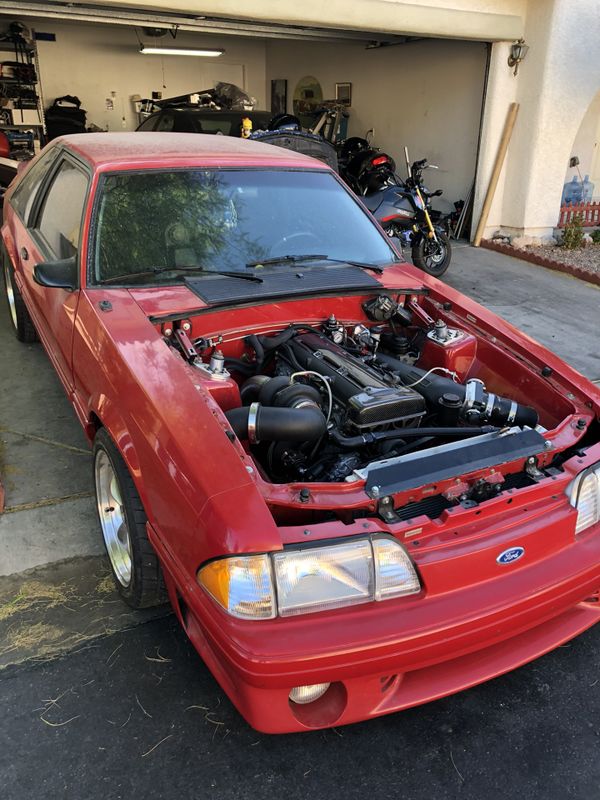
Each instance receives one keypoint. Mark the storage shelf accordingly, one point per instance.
(12, 81)
(9, 47)
(22, 125)
(26, 56)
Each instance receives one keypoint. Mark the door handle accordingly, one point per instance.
(24, 253)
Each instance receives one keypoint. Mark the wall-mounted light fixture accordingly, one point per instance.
(180, 51)
(518, 51)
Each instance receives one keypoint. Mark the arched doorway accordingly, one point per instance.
(582, 180)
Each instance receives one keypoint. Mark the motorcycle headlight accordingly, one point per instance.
(304, 580)
(584, 495)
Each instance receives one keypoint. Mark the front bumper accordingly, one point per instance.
(384, 657)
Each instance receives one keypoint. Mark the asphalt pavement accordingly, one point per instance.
(137, 714)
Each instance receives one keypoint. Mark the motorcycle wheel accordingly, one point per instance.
(431, 256)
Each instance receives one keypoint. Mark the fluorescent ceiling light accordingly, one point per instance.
(179, 51)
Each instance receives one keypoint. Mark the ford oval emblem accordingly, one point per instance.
(510, 555)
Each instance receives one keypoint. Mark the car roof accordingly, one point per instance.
(213, 112)
(138, 149)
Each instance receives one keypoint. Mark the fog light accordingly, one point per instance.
(308, 694)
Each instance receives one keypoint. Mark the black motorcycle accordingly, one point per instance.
(403, 208)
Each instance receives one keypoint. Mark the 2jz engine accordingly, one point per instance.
(318, 409)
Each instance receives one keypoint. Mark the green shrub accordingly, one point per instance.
(573, 233)
(596, 236)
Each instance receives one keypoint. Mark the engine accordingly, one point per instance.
(363, 397)
(323, 402)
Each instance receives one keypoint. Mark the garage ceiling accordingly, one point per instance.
(380, 21)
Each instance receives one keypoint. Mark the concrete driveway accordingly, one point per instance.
(49, 527)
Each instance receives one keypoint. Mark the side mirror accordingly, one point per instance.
(61, 274)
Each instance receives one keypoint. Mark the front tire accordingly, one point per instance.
(134, 564)
(20, 321)
(431, 256)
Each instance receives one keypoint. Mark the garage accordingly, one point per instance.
(417, 91)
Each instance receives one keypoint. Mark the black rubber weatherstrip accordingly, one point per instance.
(454, 461)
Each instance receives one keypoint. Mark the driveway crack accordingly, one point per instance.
(43, 439)
(49, 501)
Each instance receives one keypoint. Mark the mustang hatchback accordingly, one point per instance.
(359, 490)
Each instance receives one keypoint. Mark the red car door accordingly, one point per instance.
(53, 232)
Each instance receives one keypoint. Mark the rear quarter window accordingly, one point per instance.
(27, 189)
(59, 220)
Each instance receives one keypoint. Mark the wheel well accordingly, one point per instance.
(93, 426)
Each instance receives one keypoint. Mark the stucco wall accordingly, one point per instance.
(555, 86)
(492, 20)
(91, 61)
(426, 95)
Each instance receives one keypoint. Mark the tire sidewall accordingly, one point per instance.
(418, 255)
(133, 592)
(7, 278)
(24, 328)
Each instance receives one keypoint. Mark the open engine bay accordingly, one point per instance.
(387, 402)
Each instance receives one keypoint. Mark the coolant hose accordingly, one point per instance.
(477, 404)
(237, 365)
(405, 433)
(255, 343)
(266, 424)
(271, 342)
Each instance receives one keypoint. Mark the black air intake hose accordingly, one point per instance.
(477, 404)
(265, 424)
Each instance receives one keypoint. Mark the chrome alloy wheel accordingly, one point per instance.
(112, 518)
(10, 294)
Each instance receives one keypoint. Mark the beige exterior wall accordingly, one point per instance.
(426, 95)
(92, 61)
(492, 20)
(555, 86)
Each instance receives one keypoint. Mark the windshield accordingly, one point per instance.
(213, 220)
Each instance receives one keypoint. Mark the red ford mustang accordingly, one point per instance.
(359, 490)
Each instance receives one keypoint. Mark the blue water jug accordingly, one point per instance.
(572, 192)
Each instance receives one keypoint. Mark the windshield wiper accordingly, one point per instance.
(313, 257)
(179, 271)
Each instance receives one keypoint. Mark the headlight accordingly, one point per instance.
(584, 495)
(317, 578)
(309, 579)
